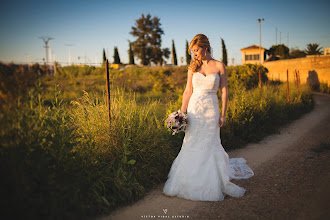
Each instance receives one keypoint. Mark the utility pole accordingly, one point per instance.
(280, 37)
(276, 37)
(50, 53)
(46, 40)
(50, 60)
(29, 60)
(287, 43)
(259, 20)
(69, 45)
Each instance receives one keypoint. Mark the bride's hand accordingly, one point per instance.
(222, 121)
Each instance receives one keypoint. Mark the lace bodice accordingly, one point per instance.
(209, 83)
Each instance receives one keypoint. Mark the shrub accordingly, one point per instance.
(246, 75)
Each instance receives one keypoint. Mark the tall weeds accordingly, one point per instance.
(67, 161)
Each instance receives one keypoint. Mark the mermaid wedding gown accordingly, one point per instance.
(202, 170)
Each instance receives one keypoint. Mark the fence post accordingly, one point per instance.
(108, 91)
(54, 68)
(259, 79)
(298, 81)
(287, 85)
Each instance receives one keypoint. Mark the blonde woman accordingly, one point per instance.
(202, 170)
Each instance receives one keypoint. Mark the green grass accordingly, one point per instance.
(254, 114)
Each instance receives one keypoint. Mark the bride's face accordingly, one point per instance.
(198, 52)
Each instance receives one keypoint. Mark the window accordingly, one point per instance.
(248, 57)
(252, 57)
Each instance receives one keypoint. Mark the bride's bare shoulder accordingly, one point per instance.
(218, 63)
(221, 67)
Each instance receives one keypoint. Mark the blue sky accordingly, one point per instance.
(91, 26)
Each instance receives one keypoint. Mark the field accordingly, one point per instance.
(60, 157)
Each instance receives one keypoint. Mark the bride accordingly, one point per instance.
(202, 170)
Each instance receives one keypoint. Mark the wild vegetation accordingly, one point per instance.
(60, 157)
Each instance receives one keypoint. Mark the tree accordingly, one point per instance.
(116, 57)
(148, 42)
(247, 76)
(188, 56)
(280, 50)
(296, 53)
(165, 53)
(312, 49)
(174, 59)
(130, 54)
(224, 52)
(104, 56)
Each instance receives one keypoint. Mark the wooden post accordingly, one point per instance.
(259, 79)
(54, 68)
(298, 81)
(287, 85)
(108, 90)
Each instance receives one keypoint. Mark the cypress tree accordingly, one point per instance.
(188, 56)
(224, 52)
(130, 54)
(116, 57)
(174, 59)
(104, 56)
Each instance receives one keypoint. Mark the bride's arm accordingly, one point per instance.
(187, 92)
(223, 88)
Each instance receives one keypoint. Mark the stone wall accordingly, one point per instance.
(313, 69)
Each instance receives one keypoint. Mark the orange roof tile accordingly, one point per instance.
(254, 46)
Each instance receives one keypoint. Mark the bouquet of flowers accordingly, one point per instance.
(177, 121)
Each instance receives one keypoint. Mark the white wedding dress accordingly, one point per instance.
(202, 170)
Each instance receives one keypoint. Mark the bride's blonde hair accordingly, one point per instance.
(202, 41)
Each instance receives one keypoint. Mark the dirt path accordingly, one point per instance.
(291, 181)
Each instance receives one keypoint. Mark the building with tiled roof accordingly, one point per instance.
(250, 54)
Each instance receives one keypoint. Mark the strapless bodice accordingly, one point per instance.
(205, 84)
